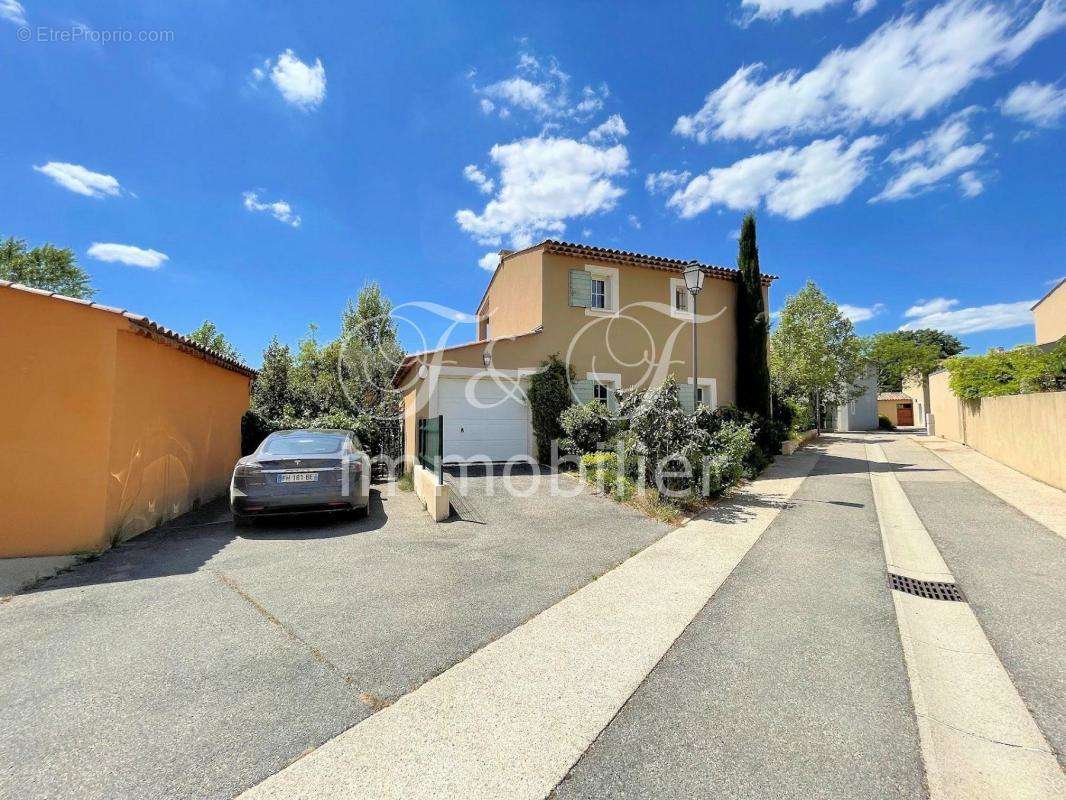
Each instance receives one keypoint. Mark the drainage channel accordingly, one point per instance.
(931, 590)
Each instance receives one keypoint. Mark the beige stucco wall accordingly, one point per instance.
(512, 302)
(1026, 432)
(1049, 315)
(107, 432)
(644, 343)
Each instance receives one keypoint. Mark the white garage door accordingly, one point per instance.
(482, 420)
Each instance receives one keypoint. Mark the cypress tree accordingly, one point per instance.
(753, 371)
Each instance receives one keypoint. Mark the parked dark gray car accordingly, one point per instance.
(302, 471)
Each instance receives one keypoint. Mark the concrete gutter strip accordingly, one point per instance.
(17, 574)
(511, 720)
(1037, 500)
(978, 739)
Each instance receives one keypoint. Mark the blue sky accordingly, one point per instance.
(256, 163)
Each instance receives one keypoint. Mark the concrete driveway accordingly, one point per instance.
(197, 660)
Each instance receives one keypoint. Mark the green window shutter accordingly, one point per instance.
(687, 396)
(582, 391)
(580, 288)
(612, 400)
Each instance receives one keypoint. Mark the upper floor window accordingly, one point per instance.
(599, 293)
(680, 299)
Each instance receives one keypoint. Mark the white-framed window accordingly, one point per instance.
(604, 294)
(603, 383)
(680, 299)
(707, 392)
(599, 293)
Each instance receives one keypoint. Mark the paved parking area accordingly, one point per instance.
(195, 661)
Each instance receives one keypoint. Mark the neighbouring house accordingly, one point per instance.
(1049, 315)
(917, 389)
(860, 414)
(112, 423)
(898, 407)
(620, 319)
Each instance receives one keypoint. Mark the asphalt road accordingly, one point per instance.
(790, 683)
(196, 661)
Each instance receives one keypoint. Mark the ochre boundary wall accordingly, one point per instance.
(1026, 431)
(111, 425)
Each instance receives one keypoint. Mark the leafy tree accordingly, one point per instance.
(271, 392)
(899, 358)
(907, 354)
(369, 353)
(46, 267)
(753, 372)
(549, 396)
(313, 387)
(814, 351)
(209, 336)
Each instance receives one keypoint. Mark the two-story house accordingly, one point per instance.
(619, 319)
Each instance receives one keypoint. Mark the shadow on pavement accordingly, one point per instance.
(185, 544)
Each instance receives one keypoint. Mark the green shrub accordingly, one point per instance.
(549, 395)
(1022, 370)
(666, 436)
(765, 437)
(884, 423)
(727, 458)
(588, 427)
(254, 429)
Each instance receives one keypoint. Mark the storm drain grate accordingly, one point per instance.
(932, 590)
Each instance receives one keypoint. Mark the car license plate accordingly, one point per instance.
(298, 477)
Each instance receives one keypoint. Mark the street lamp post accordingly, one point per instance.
(694, 276)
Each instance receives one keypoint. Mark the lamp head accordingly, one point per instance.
(694, 276)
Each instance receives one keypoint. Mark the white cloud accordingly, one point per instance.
(863, 6)
(861, 313)
(279, 209)
(664, 181)
(489, 261)
(127, 254)
(80, 180)
(544, 182)
(1055, 281)
(792, 182)
(13, 11)
(772, 9)
(970, 185)
(634, 221)
(903, 70)
(303, 85)
(1041, 104)
(542, 90)
(479, 179)
(942, 314)
(612, 129)
(923, 308)
(927, 161)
